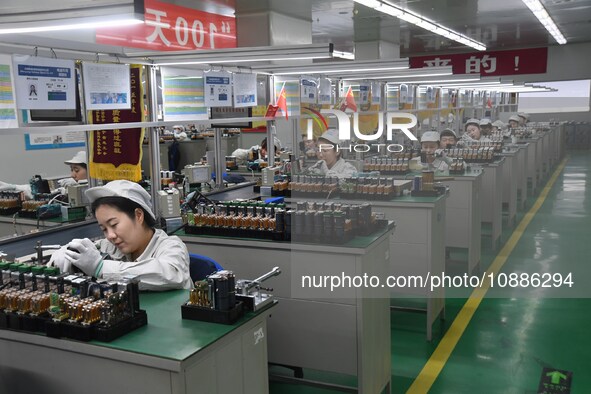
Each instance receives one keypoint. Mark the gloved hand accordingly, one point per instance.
(88, 258)
(65, 182)
(25, 189)
(59, 259)
(6, 186)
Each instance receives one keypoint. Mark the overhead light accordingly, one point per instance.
(421, 21)
(401, 74)
(31, 16)
(240, 55)
(342, 67)
(540, 12)
(344, 55)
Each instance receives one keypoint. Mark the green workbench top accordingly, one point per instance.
(167, 335)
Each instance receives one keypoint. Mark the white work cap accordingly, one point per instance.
(178, 126)
(125, 189)
(498, 124)
(79, 158)
(430, 136)
(331, 135)
(523, 115)
(485, 122)
(514, 118)
(472, 121)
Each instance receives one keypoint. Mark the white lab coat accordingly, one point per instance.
(340, 169)
(242, 154)
(164, 264)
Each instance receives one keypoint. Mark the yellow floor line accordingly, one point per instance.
(437, 361)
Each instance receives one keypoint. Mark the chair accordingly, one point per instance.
(201, 266)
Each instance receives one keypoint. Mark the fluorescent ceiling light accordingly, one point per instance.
(421, 21)
(402, 74)
(34, 16)
(64, 25)
(540, 12)
(340, 67)
(344, 55)
(240, 55)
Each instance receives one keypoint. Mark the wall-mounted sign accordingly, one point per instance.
(245, 90)
(44, 83)
(324, 91)
(170, 27)
(218, 89)
(308, 90)
(106, 86)
(520, 61)
(182, 94)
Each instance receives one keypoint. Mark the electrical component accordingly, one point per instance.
(76, 196)
(169, 203)
(197, 173)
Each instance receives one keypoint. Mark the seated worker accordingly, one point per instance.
(308, 147)
(331, 163)
(485, 127)
(256, 152)
(448, 139)
(430, 150)
(78, 170)
(514, 121)
(500, 129)
(473, 132)
(132, 246)
(523, 118)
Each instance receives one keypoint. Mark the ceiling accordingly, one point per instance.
(500, 24)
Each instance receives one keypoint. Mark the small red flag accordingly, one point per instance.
(282, 101)
(349, 101)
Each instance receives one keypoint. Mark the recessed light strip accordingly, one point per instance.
(421, 21)
(540, 12)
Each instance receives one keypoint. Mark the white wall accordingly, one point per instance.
(19, 165)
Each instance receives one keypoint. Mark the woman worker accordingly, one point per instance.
(331, 163)
(435, 156)
(78, 171)
(473, 132)
(132, 246)
(243, 155)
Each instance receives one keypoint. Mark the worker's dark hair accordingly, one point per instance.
(264, 145)
(327, 142)
(124, 205)
(447, 133)
(83, 165)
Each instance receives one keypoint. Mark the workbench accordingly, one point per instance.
(169, 355)
(491, 201)
(510, 182)
(346, 331)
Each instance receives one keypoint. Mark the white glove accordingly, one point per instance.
(6, 186)
(26, 189)
(88, 257)
(59, 259)
(65, 182)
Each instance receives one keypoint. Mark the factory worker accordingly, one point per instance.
(243, 155)
(448, 139)
(500, 129)
(514, 121)
(331, 163)
(471, 130)
(485, 127)
(433, 154)
(178, 132)
(132, 246)
(78, 170)
(523, 118)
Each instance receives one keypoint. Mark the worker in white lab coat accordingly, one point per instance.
(132, 246)
(331, 163)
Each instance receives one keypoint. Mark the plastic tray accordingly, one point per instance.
(193, 312)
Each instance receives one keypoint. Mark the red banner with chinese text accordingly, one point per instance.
(495, 63)
(170, 27)
(117, 154)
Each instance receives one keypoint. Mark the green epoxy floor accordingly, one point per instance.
(510, 339)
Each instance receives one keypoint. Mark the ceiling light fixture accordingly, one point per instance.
(540, 12)
(340, 67)
(71, 26)
(421, 21)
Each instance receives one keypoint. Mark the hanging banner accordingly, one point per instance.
(44, 83)
(324, 91)
(182, 94)
(308, 90)
(245, 90)
(7, 102)
(117, 154)
(218, 89)
(519, 61)
(106, 86)
(170, 27)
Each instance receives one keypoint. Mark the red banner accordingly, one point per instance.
(116, 154)
(171, 27)
(520, 61)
